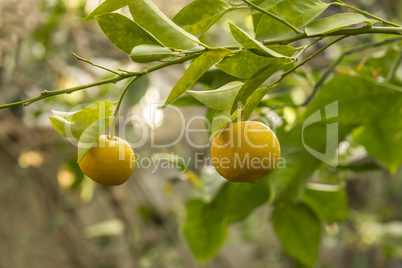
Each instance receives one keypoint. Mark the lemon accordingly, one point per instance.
(109, 162)
(245, 151)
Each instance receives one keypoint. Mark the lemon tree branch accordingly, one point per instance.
(332, 67)
(122, 76)
(125, 75)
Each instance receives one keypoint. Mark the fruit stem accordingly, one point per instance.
(117, 108)
(116, 111)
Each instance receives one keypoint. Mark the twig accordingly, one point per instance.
(94, 64)
(278, 81)
(394, 68)
(116, 111)
(307, 60)
(46, 94)
(307, 46)
(349, 32)
(343, 4)
(332, 67)
(272, 16)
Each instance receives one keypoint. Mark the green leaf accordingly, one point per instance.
(329, 202)
(246, 63)
(254, 82)
(67, 129)
(219, 99)
(383, 140)
(199, 66)
(106, 7)
(251, 44)
(205, 229)
(241, 199)
(361, 101)
(299, 230)
(274, 99)
(123, 32)
(219, 120)
(91, 135)
(381, 63)
(146, 14)
(72, 124)
(91, 113)
(186, 100)
(336, 22)
(148, 53)
(297, 12)
(137, 91)
(198, 16)
(264, 4)
(254, 100)
(289, 178)
(206, 225)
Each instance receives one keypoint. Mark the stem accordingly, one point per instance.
(343, 4)
(93, 64)
(116, 110)
(306, 60)
(276, 83)
(347, 32)
(272, 16)
(394, 68)
(307, 46)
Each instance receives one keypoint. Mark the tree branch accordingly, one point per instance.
(348, 32)
(332, 67)
(282, 40)
(120, 77)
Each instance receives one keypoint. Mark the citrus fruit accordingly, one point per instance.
(109, 162)
(245, 151)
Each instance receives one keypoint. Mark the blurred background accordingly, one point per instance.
(53, 216)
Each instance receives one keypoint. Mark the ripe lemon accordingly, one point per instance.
(109, 162)
(245, 151)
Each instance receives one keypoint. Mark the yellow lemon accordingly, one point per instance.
(245, 151)
(110, 162)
